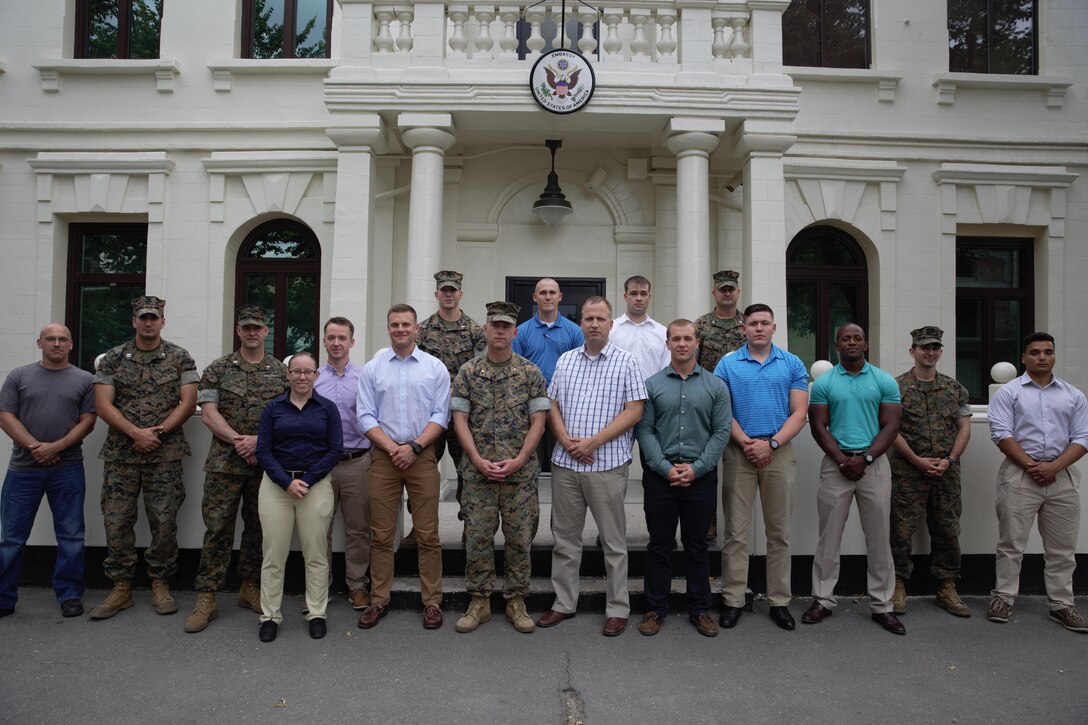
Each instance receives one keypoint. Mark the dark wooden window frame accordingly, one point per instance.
(290, 19)
(826, 275)
(77, 278)
(124, 28)
(278, 268)
(1025, 294)
(990, 38)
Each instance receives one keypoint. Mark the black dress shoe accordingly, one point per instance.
(318, 628)
(749, 599)
(729, 617)
(889, 622)
(816, 614)
(782, 617)
(268, 630)
(71, 608)
(6, 611)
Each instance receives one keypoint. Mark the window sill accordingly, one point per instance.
(1052, 87)
(886, 81)
(164, 70)
(224, 70)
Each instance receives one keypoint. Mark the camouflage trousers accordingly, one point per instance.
(915, 496)
(222, 494)
(163, 492)
(483, 504)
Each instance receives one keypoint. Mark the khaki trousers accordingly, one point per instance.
(774, 483)
(279, 515)
(874, 495)
(351, 495)
(387, 484)
(1057, 506)
(602, 492)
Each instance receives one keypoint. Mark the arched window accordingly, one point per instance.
(827, 285)
(279, 268)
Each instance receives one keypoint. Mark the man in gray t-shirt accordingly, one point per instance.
(47, 409)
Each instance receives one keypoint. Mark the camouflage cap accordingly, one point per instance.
(726, 278)
(502, 312)
(148, 305)
(928, 335)
(448, 278)
(251, 315)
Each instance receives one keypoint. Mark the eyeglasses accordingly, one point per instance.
(296, 373)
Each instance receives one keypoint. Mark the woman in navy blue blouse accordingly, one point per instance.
(299, 442)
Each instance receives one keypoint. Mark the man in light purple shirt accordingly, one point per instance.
(1040, 423)
(403, 407)
(597, 395)
(339, 382)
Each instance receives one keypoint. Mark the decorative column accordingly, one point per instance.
(692, 140)
(349, 271)
(761, 145)
(429, 135)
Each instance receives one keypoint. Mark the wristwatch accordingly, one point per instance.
(951, 462)
(416, 448)
(774, 444)
(868, 458)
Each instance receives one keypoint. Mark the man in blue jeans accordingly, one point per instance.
(47, 409)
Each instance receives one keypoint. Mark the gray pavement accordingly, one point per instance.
(140, 668)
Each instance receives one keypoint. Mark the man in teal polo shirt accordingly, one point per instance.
(854, 416)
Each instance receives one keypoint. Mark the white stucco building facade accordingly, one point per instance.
(417, 147)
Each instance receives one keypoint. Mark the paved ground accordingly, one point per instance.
(140, 668)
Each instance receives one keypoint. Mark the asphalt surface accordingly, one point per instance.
(140, 667)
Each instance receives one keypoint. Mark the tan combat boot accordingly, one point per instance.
(120, 598)
(161, 598)
(204, 612)
(249, 596)
(479, 611)
(949, 599)
(517, 616)
(899, 598)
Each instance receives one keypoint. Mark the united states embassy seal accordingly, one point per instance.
(562, 81)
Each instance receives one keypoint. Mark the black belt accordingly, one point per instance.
(762, 438)
(294, 474)
(356, 454)
(680, 461)
(854, 453)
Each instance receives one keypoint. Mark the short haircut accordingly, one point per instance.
(681, 322)
(758, 307)
(598, 300)
(636, 279)
(838, 330)
(343, 321)
(304, 353)
(396, 309)
(1037, 337)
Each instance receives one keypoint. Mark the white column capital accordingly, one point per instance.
(751, 138)
(422, 138)
(697, 142)
(355, 130)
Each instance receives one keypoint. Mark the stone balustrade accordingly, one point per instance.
(640, 32)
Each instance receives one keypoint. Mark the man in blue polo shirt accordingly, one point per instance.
(769, 390)
(547, 334)
(854, 415)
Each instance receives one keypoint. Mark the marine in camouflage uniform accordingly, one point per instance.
(499, 402)
(719, 336)
(933, 433)
(454, 342)
(236, 390)
(145, 389)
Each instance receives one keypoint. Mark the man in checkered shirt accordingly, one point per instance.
(597, 394)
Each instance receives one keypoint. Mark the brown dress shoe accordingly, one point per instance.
(371, 616)
(650, 624)
(889, 622)
(432, 617)
(816, 614)
(359, 599)
(614, 626)
(552, 618)
(705, 624)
